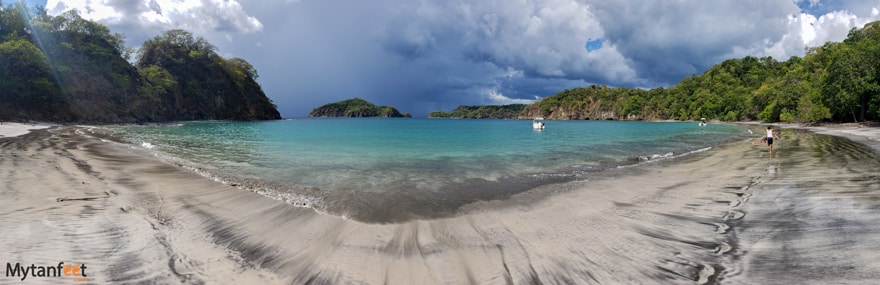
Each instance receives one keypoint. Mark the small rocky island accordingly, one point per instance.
(356, 108)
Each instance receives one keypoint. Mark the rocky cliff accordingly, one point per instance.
(589, 112)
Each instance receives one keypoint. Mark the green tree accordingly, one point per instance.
(852, 81)
(12, 24)
(241, 68)
(25, 77)
(355, 107)
(810, 111)
(174, 46)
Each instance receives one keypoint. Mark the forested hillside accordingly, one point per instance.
(68, 69)
(837, 82)
(511, 111)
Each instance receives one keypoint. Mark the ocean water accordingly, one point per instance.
(379, 154)
(392, 155)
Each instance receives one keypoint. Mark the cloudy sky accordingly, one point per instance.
(426, 55)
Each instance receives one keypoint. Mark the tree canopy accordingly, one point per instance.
(356, 107)
(202, 84)
(511, 111)
(836, 81)
(66, 68)
(26, 79)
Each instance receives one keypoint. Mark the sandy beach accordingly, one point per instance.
(11, 129)
(729, 215)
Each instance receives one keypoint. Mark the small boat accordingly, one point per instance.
(538, 123)
(703, 122)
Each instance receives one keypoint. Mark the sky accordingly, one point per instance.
(427, 55)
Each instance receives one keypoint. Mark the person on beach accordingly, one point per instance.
(770, 136)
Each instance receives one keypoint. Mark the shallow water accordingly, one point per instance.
(815, 221)
(427, 167)
(425, 154)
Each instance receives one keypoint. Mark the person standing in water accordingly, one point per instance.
(770, 136)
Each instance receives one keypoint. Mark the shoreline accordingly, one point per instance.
(13, 129)
(723, 215)
(402, 205)
(868, 134)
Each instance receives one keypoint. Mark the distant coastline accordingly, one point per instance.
(831, 83)
(81, 73)
(512, 111)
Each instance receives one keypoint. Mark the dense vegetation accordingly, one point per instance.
(837, 81)
(65, 68)
(511, 111)
(356, 107)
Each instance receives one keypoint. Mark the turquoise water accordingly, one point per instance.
(381, 155)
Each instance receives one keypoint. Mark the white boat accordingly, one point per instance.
(703, 122)
(538, 123)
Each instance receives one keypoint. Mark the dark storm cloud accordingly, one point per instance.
(411, 55)
(673, 39)
(426, 55)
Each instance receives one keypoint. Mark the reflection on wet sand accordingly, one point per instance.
(728, 215)
(816, 222)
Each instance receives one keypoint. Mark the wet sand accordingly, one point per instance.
(730, 215)
(12, 129)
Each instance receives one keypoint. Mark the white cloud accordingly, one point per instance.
(805, 30)
(543, 38)
(443, 53)
(833, 26)
(226, 17)
(496, 98)
(667, 40)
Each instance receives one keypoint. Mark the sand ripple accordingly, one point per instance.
(727, 215)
